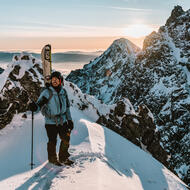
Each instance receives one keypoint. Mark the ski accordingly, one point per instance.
(46, 63)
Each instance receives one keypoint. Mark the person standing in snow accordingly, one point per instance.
(55, 106)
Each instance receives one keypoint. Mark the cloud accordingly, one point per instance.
(125, 8)
(129, 9)
(56, 30)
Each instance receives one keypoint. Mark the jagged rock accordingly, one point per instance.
(157, 76)
(25, 57)
(22, 85)
(16, 58)
(176, 12)
(1, 70)
(24, 116)
(139, 128)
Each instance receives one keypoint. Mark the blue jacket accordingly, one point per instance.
(57, 110)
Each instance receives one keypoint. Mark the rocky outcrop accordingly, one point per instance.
(1, 70)
(22, 84)
(138, 127)
(158, 77)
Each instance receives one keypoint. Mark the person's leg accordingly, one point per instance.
(52, 132)
(64, 145)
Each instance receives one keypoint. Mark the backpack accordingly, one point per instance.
(44, 109)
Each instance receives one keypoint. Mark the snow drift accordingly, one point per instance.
(103, 160)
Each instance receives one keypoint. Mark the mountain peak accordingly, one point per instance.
(176, 12)
(20, 84)
(124, 44)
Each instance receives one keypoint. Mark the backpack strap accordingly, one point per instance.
(50, 94)
(44, 110)
(67, 99)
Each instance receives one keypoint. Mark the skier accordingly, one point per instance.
(55, 106)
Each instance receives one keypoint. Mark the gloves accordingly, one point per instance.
(32, 106)
(70, 125)
(43, 101)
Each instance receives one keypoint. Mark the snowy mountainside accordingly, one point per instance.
(22, 83)
(159, 78)
(103, 160)
(102, 76)
(138, 127)
(91, 143)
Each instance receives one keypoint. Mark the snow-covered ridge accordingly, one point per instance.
(121, 117)
(90, 106)
(157, 77)
(138, 127)
(21, 63)
(103, 160)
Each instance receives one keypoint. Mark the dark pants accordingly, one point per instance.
(52, 132)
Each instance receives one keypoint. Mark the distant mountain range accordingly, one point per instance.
(70, 56)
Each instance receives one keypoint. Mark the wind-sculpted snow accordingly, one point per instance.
(103, 160)
(138, 127)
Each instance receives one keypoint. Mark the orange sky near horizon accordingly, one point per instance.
(62, 43)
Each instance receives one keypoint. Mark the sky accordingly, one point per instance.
(80, 24)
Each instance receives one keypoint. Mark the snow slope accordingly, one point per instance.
(103, 160)
(158, 77)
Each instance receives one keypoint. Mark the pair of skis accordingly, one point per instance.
(47, 69)
(46, 63)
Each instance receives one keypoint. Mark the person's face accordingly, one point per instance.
(55, 81)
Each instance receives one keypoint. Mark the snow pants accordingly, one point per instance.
(52, 132)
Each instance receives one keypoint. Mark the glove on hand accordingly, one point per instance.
(70, 124)
(43, 101)
(32, 106)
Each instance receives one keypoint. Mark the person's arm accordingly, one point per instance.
(42, 100)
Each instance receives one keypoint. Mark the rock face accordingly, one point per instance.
(138, 127)
(158, 76)
(20, 83)
(1, 70)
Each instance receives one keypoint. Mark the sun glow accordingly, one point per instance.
(138, 30)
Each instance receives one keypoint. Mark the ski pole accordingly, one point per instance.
(32, 141)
